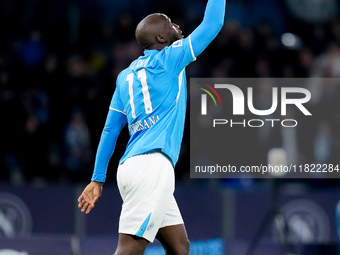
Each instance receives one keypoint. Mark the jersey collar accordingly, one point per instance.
(150, 52)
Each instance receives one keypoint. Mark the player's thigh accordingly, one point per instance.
(174, 239)
(146, 184)
(130, 245)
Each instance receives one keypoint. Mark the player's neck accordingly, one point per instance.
(157, 46)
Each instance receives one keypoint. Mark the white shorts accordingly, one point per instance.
(146, 183)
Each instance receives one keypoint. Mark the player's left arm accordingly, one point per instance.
(115, 121)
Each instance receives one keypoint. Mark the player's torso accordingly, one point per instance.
(147, 91)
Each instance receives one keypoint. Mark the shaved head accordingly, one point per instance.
(156, 31)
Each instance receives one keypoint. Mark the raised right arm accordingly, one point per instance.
(209, 28)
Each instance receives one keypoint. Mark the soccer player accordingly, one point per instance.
(151, 97)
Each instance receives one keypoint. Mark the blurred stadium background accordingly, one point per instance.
(58, 64)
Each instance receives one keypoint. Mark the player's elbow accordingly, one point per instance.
(220, 23)
(107, 130)
(110, 131)
(216, 29)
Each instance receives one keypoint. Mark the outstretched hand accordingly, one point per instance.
(88, 199)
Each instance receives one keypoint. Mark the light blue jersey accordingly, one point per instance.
(151, 96)
(152, 93)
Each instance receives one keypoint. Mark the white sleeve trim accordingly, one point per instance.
(192, 51)
(113, 109)
(180, 80)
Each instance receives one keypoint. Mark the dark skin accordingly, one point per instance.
(154, 32)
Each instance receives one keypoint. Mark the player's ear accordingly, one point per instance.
(161, 39)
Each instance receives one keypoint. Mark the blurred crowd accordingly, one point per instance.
(59, 61)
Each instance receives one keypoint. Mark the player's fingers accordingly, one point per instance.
(80, 204)
(89, 208)
(85, 205)
(95, 200)
(81, 201)
(81, 198)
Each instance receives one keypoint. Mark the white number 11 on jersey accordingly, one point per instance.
(145, 90)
